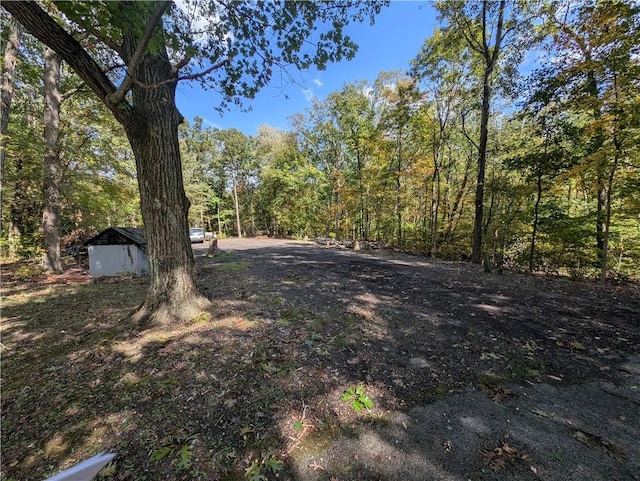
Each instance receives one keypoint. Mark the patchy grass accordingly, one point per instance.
(206, 399)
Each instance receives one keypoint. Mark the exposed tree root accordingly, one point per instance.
(155, 312)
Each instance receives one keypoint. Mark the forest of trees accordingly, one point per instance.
(459, 156)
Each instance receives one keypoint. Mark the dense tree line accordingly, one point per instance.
(399, 161)
(88, 155)
(461, 156)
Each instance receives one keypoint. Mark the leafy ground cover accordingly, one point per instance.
(303, 344)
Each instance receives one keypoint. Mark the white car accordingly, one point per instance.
(196, 235)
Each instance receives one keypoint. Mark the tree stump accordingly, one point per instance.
(486, 263)
(213, 247)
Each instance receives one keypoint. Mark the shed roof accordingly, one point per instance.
(119, 235)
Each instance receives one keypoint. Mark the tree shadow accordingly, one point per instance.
(260, 377)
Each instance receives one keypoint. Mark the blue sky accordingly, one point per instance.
(388, 45)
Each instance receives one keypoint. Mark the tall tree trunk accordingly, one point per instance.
(151, 123)
(153, 134)
(476, 255)
(435, 209)
(51, 260)
(236, 206)
(6, 97)
(604, 267)
(617, 144)
(536, 218)
(491, 56)
(6, 87)
(437, 146)
(398, 199)
(454, 214)
(357, 231)
(597, 142)
(219, 221)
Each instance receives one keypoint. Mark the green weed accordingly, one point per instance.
(357, 398)
(525, 365)
(177, 446)
(341, 342)
(259, 468)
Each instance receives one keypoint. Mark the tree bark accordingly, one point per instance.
(151, 122)
(536, 218)
(153, 134)
(476, 255)
(219, 221)
(8, 71)
(236, 206)
(6, 98)
(491, 57)
(51, 260)
(617, 144)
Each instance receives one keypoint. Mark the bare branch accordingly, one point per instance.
(466, 134)
(73, 91)
(205, 72)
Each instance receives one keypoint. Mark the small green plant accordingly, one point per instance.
(357, 398)
(259, 468)
(160, 453)
(185, 456)
(178, 446)
(525, 365)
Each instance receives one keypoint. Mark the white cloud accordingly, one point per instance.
(200, 20)
(318, 82)
(308, 94)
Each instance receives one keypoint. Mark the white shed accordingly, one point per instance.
(118, 250)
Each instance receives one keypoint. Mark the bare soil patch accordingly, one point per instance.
(269, 382)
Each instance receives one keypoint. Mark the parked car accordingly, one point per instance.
(196, 235)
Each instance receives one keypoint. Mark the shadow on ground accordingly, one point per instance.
(470, 375)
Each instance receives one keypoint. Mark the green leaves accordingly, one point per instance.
(176, 445)
(254, 39)
(185, 456)
(259, 468)
(357, 398)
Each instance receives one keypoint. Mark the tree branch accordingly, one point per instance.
(39, 24)
(118, 96)
(467, 32)
(499, 37)
(204, 72)
(182, 63)
(485, 45)
(464, 132)
(72, 91)
(108, 42)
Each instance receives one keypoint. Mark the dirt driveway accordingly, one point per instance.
(471, 375)
(318, 363)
